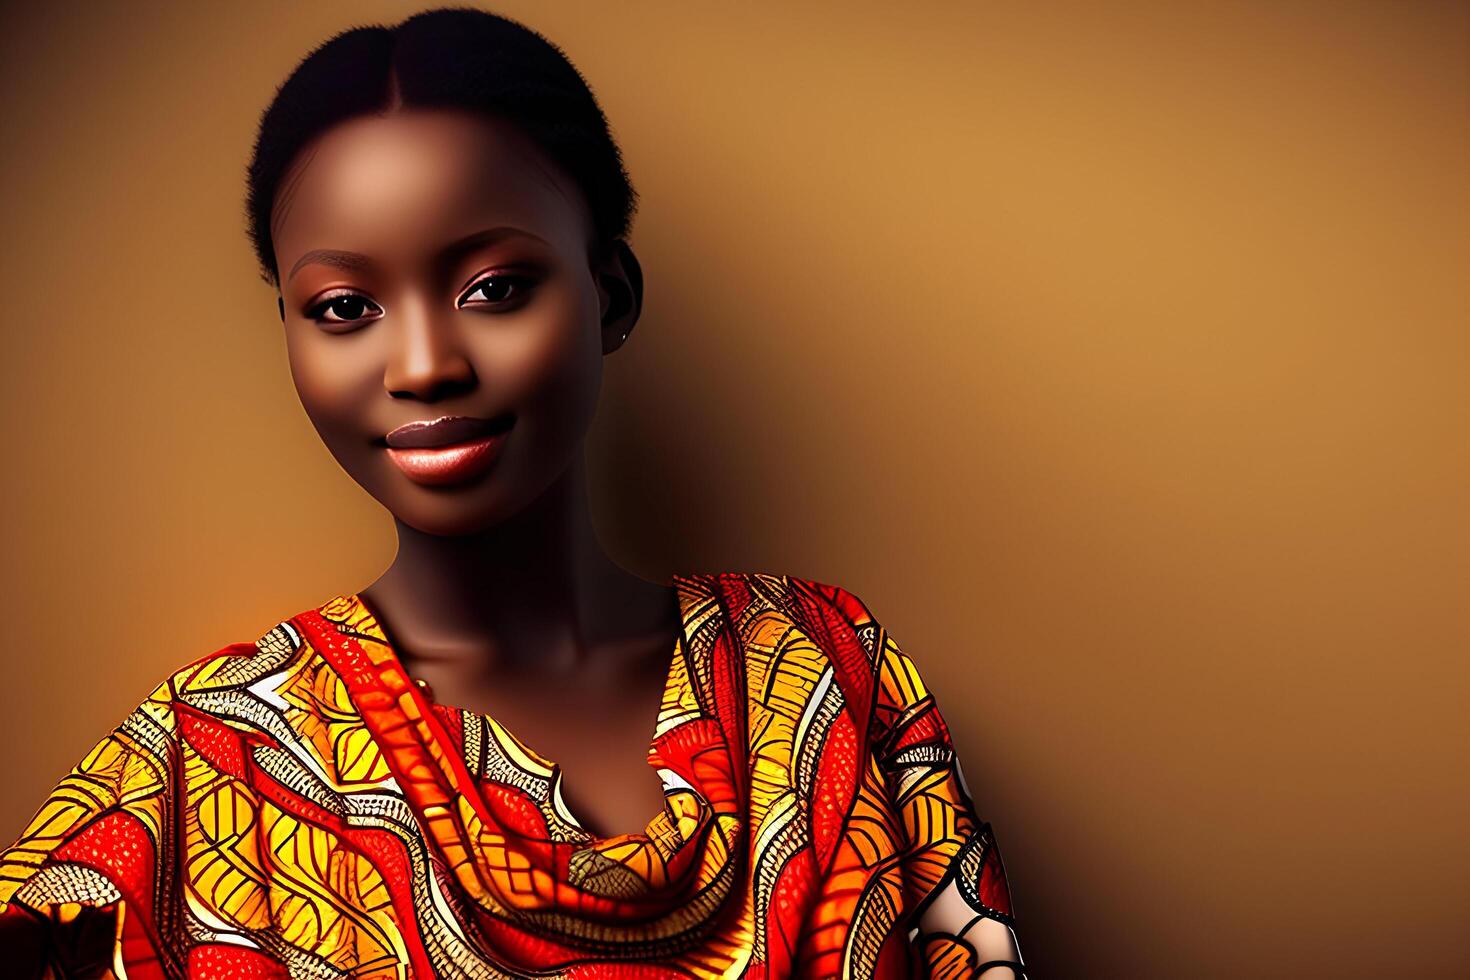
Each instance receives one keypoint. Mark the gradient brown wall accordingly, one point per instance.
(1116, 354)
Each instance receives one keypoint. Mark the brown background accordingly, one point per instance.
(1115, 354)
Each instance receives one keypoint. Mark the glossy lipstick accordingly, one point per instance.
(447, 450)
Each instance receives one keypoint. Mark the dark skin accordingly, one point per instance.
(500, 595)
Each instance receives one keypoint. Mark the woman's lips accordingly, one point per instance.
(445, 430)
(448, 450)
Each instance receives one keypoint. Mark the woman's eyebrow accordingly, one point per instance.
(474, 240)
(347, 261)
(357, 262)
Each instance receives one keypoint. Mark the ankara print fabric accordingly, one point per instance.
(294, 807)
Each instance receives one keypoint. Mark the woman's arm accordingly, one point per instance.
(64, 880)
(950, 921)
(951, 865)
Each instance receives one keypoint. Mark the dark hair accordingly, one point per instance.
(455, 57)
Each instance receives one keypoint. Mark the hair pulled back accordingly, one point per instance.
(449, 57)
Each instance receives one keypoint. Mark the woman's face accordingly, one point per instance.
(435, 263)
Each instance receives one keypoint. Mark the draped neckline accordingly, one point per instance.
(537, 887)
(522, 753)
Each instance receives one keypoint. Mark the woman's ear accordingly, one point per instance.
(620, 279)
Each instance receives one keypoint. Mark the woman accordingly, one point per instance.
(450, 772)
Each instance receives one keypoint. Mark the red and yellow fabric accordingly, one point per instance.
(295, 807)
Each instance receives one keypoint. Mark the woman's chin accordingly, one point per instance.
(460, 507)
(446, 508)
(449, 521)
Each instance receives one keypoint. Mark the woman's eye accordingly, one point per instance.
(497, 290)
(346, 308)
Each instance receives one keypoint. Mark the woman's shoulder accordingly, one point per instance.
(877, 678)
(198, 681)
(779, 588)
(818, 603)
(814, 610)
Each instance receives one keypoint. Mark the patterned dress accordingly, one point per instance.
(296, 807)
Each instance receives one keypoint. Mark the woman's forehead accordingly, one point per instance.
(410, 181)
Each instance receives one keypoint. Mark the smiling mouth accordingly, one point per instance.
(447, 430)
(448, 450)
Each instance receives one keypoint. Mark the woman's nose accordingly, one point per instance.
(427, 360)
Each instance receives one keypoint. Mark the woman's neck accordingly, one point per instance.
(534, 595)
